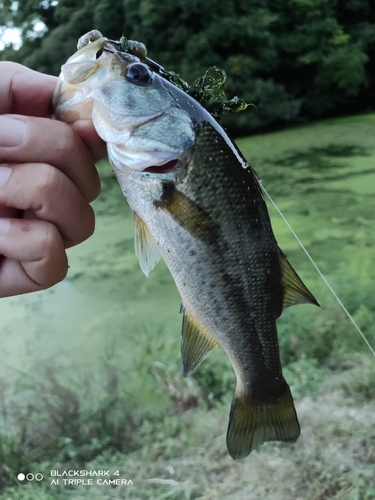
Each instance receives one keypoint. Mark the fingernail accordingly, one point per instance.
(12, 131)
(4, 226)
(4, 174)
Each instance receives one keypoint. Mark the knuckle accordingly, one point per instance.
(51, 239)
(84, 228)
(67, 141)
(55, 261)
(90, 224)
(49, 180)
(61, 275)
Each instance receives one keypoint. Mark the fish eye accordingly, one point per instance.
(138, 73)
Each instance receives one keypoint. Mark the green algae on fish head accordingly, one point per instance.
(208, 89)
(131, 46)
(210, 92)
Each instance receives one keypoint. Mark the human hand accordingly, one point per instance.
(47, 180)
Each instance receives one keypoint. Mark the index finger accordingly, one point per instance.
(27, 92)
(24, 91)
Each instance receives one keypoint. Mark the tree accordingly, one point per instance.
(294, 59)
(319, 61)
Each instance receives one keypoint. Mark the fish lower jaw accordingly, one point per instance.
(124, 161)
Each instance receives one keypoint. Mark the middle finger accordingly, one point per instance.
(51, 196)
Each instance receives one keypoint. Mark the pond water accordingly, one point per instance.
(99, 310)
(106, 304)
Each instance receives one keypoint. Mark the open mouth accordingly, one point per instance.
(163, 169)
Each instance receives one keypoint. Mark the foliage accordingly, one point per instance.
(293, 59)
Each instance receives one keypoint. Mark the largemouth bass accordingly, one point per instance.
(198, 205)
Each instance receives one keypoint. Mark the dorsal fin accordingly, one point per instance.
(295, 292)
(196, 344)
(146, 248)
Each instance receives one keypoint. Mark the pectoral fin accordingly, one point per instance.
(146, 247)
(295, 292)
(188, 214)
(196, 344)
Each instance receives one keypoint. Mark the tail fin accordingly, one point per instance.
(251, 423)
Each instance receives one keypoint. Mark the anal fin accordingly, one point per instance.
(196, 344)
(252, 423)
(146, 247)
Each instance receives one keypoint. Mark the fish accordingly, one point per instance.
(198, 204)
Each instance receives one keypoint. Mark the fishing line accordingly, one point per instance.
(321, 274)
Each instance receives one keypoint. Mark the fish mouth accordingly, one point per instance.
(162, 169)
(175, 169)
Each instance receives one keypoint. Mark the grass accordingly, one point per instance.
(90, 372)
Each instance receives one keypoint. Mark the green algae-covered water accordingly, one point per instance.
(322, 177)
(109, 326)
